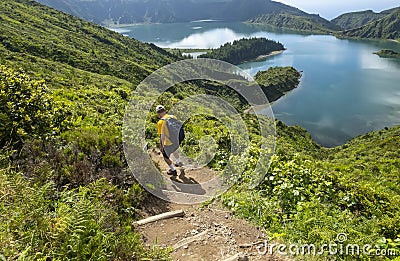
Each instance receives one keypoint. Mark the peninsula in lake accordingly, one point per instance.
(244, 50)
(385, 53)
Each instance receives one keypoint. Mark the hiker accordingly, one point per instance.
(168, 147)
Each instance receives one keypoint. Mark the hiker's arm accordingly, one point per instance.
(162, 139)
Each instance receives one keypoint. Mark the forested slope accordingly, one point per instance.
(387, 27)
(296, 21)
(354, 20)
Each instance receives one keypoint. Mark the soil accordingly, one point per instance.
(218, 235)
(204, 233)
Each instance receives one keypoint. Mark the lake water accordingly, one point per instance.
(345, 91)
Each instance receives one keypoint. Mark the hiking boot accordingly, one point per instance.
(172, 172)
(178, 164)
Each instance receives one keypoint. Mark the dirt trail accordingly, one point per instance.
(216, 235)
(208, 233)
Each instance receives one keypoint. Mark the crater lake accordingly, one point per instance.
(346, 90)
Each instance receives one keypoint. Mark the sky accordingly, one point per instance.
(330, 9)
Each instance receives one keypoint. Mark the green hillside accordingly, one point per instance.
(387, 27)
(66, 191)
(31, 28)
(295, 21)
(356, 19)
(363, 24)
(311, 194)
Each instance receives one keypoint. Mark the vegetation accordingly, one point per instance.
(311, 194)
(356, 19)
(388, 54)
(365, 24)
(66, 189)
(40, 222)
(169, 11)
(387, 27)
(27, 109)
(294, 21)
(276, 81)
(86, 46)
(243, 50)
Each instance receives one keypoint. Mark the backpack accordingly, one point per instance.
(175, 129)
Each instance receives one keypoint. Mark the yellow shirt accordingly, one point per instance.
(163, 129)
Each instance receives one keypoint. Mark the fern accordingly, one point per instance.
(37, 222)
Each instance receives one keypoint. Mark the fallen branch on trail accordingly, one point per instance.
(167, 215)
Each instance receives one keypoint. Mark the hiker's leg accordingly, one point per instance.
(166, 153)
(166, 158)
(178, 161)
(168, 161)
(177, 156)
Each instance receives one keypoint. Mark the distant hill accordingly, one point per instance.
(300, 21)
(387, 27)
(356, 19)
(167, 11)
(363, 24)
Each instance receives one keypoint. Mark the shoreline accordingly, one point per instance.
(259, 107)
(116, 26)
(394, 40)
(262, 57)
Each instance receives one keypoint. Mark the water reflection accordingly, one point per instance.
(209, 39)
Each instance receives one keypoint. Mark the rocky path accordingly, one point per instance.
(209, 233)
(204, 233)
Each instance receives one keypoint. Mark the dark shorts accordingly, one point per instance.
(168, 150)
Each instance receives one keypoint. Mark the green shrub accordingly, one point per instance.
(27, 109)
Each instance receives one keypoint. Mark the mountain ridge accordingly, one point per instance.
(387, 27)
(296, 21)
(362, 24)
(271, 13)
(169, 11)
(356, 19)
